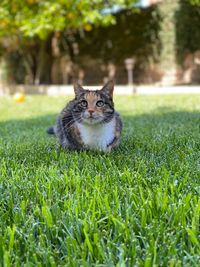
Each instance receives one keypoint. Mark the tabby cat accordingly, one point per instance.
(89, 121)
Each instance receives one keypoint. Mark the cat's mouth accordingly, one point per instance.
(91, 120)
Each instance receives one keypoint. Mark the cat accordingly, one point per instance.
(89, 121)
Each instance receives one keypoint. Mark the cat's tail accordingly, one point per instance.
(51, 130)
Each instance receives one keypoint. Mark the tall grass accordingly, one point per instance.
(138, 206)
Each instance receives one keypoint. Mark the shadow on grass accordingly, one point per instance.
(156, 133)
(25, 125)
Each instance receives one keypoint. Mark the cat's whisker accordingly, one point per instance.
(68, 125)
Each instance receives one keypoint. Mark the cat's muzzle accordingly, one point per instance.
(93, 118)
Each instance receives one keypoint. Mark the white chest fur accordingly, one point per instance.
(97, 136)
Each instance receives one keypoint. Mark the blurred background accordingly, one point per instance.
(60, 41)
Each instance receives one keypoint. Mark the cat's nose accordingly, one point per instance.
(91, 111)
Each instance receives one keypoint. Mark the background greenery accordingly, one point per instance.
(40, 39)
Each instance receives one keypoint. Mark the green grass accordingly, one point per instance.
(138, 206)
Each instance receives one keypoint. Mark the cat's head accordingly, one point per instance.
(93, 107)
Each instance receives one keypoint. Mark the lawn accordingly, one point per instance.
(138, 206)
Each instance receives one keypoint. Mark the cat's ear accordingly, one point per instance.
(109, 88)
(78, 89)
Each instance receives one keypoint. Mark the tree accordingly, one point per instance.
(194, 2)
(33, 28)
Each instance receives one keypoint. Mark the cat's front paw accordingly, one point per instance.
(108, 149)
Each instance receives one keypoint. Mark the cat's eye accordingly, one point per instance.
(83, 103)
(100, 103)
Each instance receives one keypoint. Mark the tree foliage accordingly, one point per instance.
(35, 18)
(194, 2)
(31, 27)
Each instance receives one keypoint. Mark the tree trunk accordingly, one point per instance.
(44, 61)
(168, 10)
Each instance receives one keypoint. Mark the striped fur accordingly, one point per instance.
(89, 121)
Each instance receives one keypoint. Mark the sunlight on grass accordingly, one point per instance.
(138, 206)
